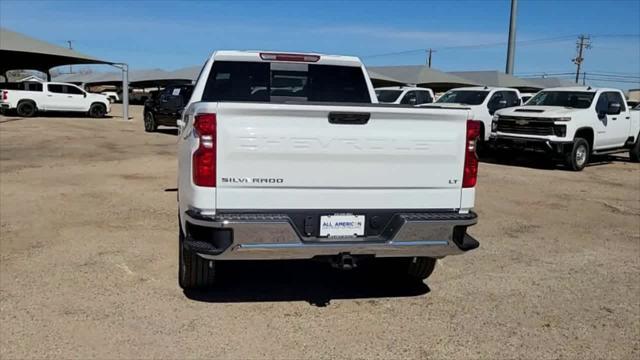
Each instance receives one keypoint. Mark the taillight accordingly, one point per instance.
(470, 176)
(204, 158)
(289, 57)
(5, 95)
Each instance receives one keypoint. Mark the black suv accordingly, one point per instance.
(165, 107)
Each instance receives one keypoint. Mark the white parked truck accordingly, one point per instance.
(482, 101)
(407, 95)
(571, 124)
(27, 99)
(317, 169)
(111, 95)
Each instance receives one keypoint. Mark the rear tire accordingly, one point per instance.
(578, 157)
(26, 109)
(149, 122)
(634, 152)
(194, 272)
(421, 267)
(97, 110)
(416, 268)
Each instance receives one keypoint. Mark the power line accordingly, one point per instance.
(617, 73)
(623, 77)
(614, 77)
(567, 74)
(616, 35)
(531, 42)
(613, 81)
(521, 43)
(599, 72)
(395, 53)
(472, 46)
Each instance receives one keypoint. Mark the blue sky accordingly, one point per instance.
(176, 34)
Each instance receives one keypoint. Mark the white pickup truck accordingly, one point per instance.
(482, 101)
(571, 124)
(27, 99)
(407, 95)
(317, 169)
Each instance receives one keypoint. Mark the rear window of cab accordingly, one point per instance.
(285, 82)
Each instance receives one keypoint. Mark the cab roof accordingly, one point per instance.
(291, 57)
(402, 88)
(485, 88)
(580, 88)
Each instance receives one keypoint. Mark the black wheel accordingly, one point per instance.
(421, 267)
(634, 152)
(417, 268)
(578, 157)
(194, 272)
(26, 109)
(97, 110)
(149, 122)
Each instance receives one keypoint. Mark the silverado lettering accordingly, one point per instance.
(252, 180)
(265, 143)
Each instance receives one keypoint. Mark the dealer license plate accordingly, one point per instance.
(341, 225)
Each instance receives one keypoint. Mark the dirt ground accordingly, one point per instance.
(88, 265)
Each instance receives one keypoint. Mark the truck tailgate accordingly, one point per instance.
(286, 156)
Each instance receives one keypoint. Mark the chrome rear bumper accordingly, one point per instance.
(273, 236)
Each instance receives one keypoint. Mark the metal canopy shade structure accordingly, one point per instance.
(498, 79)
(551, 82)
(423, 76)
(137, 79)
(379, 80)
(91, 78)
(157, 77)
(21, 52)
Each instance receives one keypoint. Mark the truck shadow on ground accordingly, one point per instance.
(314, 282)
(544, 162)
(57, 114)
(53, 114)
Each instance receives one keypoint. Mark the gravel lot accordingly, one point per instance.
(88, 263)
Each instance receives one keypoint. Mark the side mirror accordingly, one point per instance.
(180, 123)
(502, 104)
(614, 108)
(85, 94)
(413, 101)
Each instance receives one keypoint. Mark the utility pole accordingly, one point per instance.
(511, 49)
(584, 42)
(70, 48)
(584, 78)
(431, 51)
